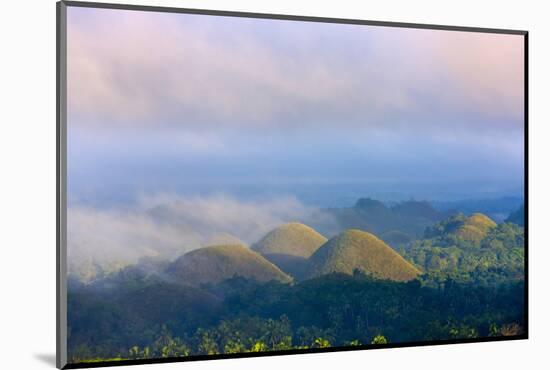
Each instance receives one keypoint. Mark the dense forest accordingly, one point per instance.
(463, 277)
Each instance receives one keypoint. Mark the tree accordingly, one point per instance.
(321, 343)
(207, 342)
(379, 339)
(259, 346)
(278, 334)
(136, 353)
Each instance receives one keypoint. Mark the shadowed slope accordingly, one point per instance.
(517, 216)
(295, 266)
(355, 249)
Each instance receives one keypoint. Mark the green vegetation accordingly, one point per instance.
(379, 339)
(463, 279)
(334, 310)
(217, 263)
(447, 251)
(358, 250)
(396, 238)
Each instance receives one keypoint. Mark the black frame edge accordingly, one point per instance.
(228, 13)
(526, 178)
(61, 194)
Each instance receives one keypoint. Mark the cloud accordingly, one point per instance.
(167, 226)
(487, 69)
(196, 104)
(118, 235)
(159, 69)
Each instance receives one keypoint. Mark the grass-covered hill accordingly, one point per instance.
(470, 229)
(358, 250)
(217, 263)
(294, 239)
(476, 227)
(289, 247)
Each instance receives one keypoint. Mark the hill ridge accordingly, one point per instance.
(356, 249)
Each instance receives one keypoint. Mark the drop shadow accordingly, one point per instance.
(46, 358)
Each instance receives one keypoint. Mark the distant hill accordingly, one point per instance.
(418, 209)
(87, 270)
(471, 229)
(355, 249)
(217, 263)
(368, 204)
(293, 239)
(396, 238)
(289, 246)
(409, 218)
(481, 221)
(496, 208)
(518, 216)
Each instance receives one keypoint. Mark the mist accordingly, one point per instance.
(166, 226)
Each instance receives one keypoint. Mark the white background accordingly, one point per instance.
(27, 166)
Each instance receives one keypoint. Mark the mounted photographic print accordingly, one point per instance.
(238, 184)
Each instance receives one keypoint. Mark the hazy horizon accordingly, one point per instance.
(253, 108)
(181, 127)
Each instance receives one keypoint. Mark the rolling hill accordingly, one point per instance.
(475, 228)
(217, 263)
(289, 246)
(355, 249)
(293, 239)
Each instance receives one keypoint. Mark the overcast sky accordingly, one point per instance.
(188, 104)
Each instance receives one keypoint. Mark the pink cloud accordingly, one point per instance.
(127, 67)
(488, 68)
